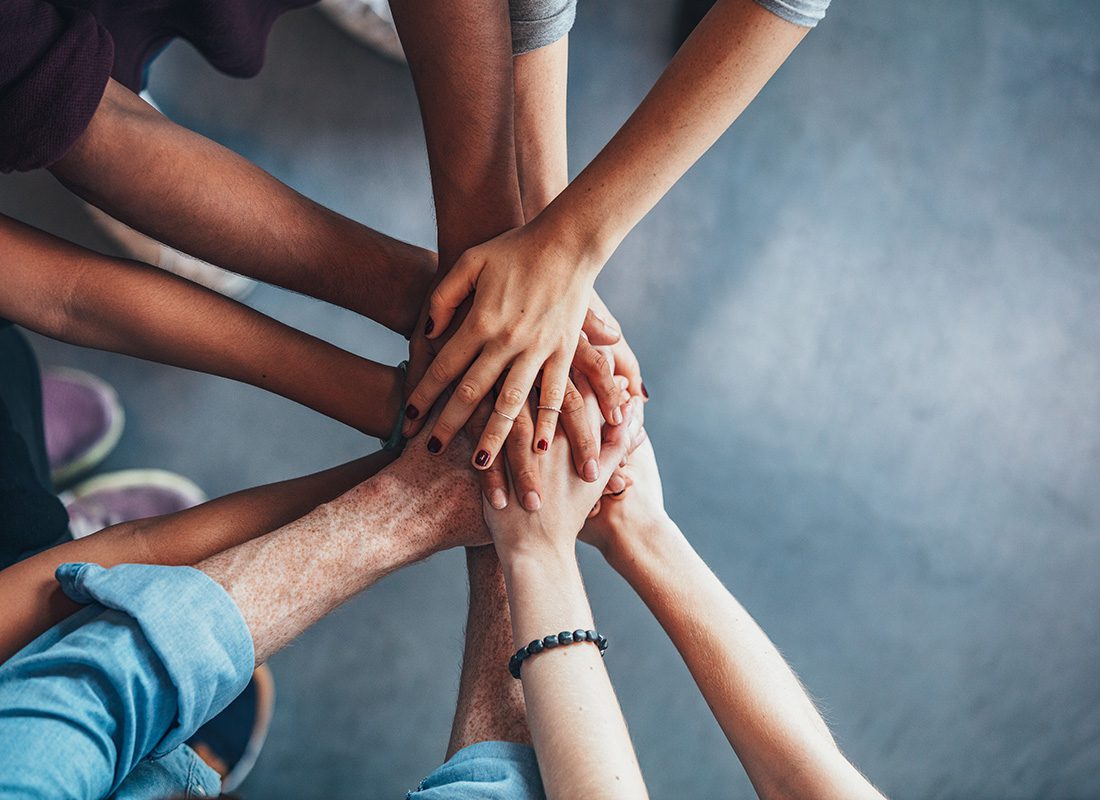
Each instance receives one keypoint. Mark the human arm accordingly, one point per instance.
(199, 197)
(533, 284)
(576, 724)
(85, 298)
(778, 735)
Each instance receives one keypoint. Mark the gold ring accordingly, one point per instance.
(549, 408)
(510, 419)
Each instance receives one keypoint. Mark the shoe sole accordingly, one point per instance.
(265, 709)
(127, 478)
(99, 451)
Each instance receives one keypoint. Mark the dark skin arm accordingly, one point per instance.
(188, 192)
(78, 296)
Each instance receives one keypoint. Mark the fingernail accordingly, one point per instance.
(617, 416)
(434, 445)
(645, 393)
(532, 501)
(411, 411)
(616, 484)
(543, 445)
(590, 470)
(482, 458)
(429, 326)
(498, 499)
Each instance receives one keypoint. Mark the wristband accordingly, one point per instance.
(395, 440)
(548, 643)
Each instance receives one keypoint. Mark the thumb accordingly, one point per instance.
(598, 331)
(458, 284)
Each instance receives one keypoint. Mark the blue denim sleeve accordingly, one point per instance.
(159, 651)
(489, 770)
(806, 13)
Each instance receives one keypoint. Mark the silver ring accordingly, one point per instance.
(549, 408)
(510, 419)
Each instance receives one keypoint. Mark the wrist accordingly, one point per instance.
(525, 555)
(571, 230)
(640, 547)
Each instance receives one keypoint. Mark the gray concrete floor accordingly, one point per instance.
(869, 323)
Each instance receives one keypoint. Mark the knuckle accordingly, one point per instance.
(481, 324)
(553, 395)
(467, 394)
(439, 372)
(492, 441)
(513, 396)
(525, 477)
(572, 402)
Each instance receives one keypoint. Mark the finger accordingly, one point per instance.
(458, 284)
(494, 480)
(474, 387)
(510, 401)
(616, 442)
(583, 445)
(626, 364)
(598, 330)
(555, 377)
(616, 483)
(443, 371)
(593, 363)
(523, 464)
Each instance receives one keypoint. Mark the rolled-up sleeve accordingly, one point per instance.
(806, 13)
(538, 23)
(54, 65)
(159, 651)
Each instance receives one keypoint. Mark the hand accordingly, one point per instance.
(566, 498)
(620, 519)
(625, 362)
(530, 303)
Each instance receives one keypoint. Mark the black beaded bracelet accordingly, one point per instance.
(565, 637)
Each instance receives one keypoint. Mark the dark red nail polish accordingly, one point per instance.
(411, 411)
(429, 326)
(482, 458)
(434, 445)
(543, 445)
(645, 393)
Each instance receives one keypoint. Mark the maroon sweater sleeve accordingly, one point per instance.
(54, 65)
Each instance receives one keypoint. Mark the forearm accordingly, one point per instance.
(81, 297)
(35, 602)
(188, 192)
(779, 736)
(285, 581)
(576, 724)
(712, 79)
(460, 56)
(540, 82)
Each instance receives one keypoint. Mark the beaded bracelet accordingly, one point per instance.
(565, 637)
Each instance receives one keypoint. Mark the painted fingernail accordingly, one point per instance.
(411, 411)
(645, 393)
(590, 470)
(482, 458)
(434, 445)
(617, 416)
(498, 499)
(543, 445)
(532, 501)
(429, 326)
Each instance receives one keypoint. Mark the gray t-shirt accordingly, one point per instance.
(537, 23)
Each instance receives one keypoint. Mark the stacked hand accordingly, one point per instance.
(533, 314)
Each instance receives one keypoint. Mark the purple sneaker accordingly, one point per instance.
(83, 421)
(131, 494)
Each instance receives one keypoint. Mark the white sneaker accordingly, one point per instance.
(369, 22)
(140, 247)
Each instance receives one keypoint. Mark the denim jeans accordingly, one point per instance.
(102, 703)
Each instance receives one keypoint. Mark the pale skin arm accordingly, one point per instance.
(193, 194)
(576, 724)
(35, 601)
(78, 296)
(777, 733)
(533, 283)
